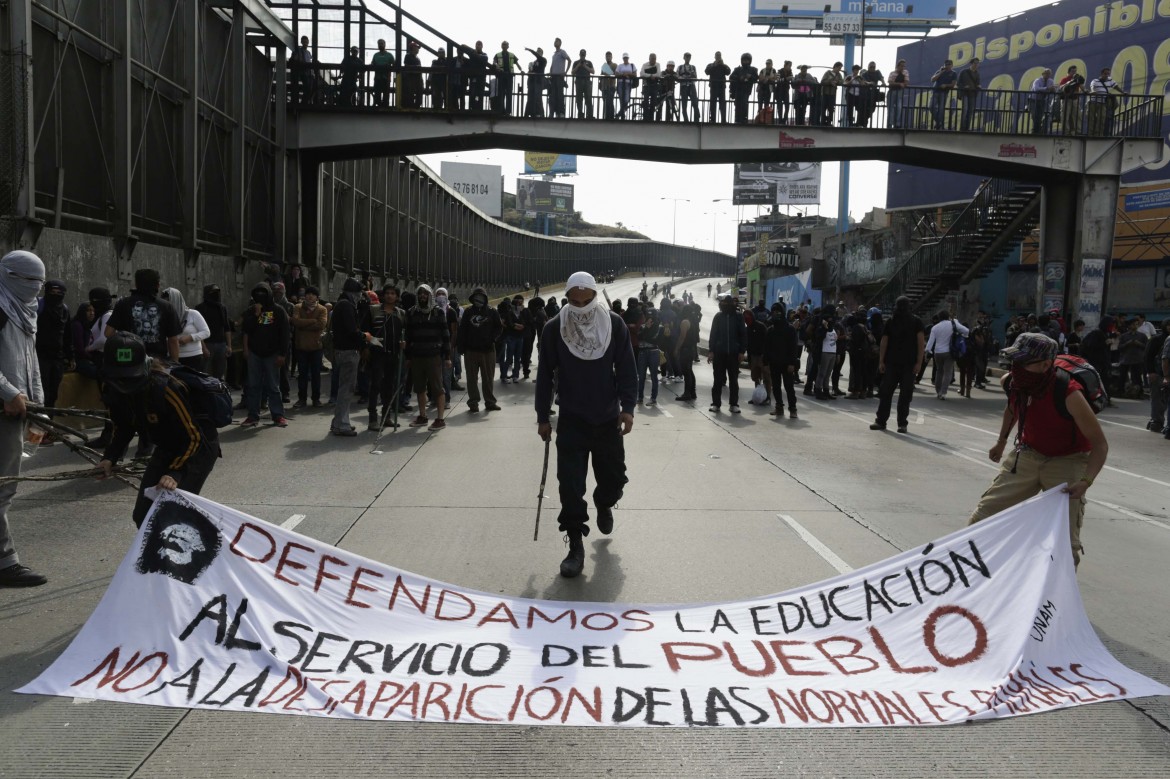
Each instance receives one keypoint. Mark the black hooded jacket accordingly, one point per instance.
(265, 325)
(347, 335)
(480, 327)
(215, 313)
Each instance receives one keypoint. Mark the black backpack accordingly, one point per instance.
(210, 398)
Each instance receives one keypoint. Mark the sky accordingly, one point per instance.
(666, 201)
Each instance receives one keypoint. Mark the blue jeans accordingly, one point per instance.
(648, 359)
(309, 369)
(264, 379)
(345, 365)
(513, 353)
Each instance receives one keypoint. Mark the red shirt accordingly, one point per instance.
(1047, 432)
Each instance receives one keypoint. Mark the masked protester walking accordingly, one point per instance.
(21, 276)
(265, 329)
(1058, 438)
(428, 347)
(900, 354)
(725, 351)
(141, 393)
(586, 350)
(479, 330)
(783, 358)
(53, 347)
(219, 324)
(385, 359)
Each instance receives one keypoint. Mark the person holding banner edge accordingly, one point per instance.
(1053, 446)
(588, 348)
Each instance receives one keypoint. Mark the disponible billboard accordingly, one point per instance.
(481, 185)
(545, 197)
(1129, 37)
(776, 183)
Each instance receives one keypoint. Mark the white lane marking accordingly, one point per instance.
(292, 522)
(985, 464)
(1107, 467)
(1128, 513)
(1122, 424)
(664, 412)
(919, 418)
(815, 544)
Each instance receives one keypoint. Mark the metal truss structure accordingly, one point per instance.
(149, 120)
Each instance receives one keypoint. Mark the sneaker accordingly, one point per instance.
(491, 407)
(503, 380)
(641, 402)
(250, 422)
(419, 421)
(298, 404)
(17, 575)
(734, 409)
(877, 426)
(776, 412)
(280, 421)
(605, 520)
(652, 402)
(792, 413)
(473, 407)
(317, 403)
(456, 386)
(714, 407)
(284, 398)
(348, 432)
(903, 429)
(438, 424)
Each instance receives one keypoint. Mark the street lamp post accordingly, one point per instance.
(674, 217)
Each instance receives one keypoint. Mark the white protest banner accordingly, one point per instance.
(214, 609)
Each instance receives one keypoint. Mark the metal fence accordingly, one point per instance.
(355, 86)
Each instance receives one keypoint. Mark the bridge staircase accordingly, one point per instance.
(998, 218)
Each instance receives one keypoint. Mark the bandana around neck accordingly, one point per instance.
(586, 331)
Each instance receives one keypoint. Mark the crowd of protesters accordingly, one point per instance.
(467, 78)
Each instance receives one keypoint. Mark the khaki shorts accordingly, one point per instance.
(1034, 473)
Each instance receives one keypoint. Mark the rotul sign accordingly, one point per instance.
(777, 259)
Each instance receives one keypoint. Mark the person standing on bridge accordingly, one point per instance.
(717, 73)
(608, 85)
(782, 92)
(475, 66)
(1040, 102)
(627, 81)
(804, 88)
(1071, 87)
(506, 64)
(534, 108)
(969, 88)
(944, 80)
(1058, 438)
(351, 73)
(687, 74)
(412, 77)
(587, 350)
(828, 94)
(896, 96)
(300, 65)
(1101, 103)
(557, 70)
(382, 64)
(743, 80)
(583, 87)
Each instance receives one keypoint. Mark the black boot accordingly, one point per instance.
(375, 422)
(574, 561)
(605, 520)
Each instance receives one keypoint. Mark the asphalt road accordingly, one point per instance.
(700, 522)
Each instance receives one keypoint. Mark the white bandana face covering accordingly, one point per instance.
(586, 330)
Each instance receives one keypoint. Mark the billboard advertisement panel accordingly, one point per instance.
(1129, 37)
(546, 197)
(536, 162)
(482, 185)
(761, 11)
(776, 183)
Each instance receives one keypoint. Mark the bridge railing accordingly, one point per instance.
(464, 90)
